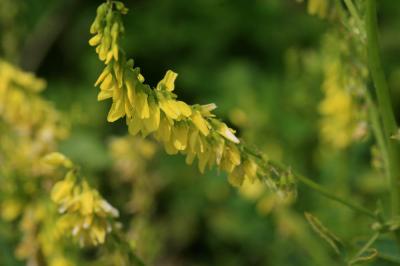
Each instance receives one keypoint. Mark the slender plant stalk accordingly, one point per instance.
(315, 186)
(328, 194)
(353, 11)
(378, 133)
(366, 246)
(384, 103)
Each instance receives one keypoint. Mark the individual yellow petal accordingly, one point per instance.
(134, 125)
(95, 40)
(164, 130)
(225, 131)
(118, 73)
(250, 170)
(180, 136)
(236, 177)
(170, 148)
(104, 94)
(168, 81)
(130, 86)
(86, 200)
(152, 123)
(141, 105)
(203, 160)
(117, 110)
(168, 107)
(184, 109)
(107, 82)
(63, 189)
(200, 123)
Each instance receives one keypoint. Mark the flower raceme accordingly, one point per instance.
(84, 212)
(192, 130)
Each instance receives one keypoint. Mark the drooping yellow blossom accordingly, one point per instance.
(192, 130)
(85, 214)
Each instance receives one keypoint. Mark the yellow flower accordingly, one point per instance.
(57, 159)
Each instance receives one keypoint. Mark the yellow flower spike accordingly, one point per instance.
(141, 105)
(180, 136)
(57, 159)
(189, 130)
(200, 123)
(168, 82)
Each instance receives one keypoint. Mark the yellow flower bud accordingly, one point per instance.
(57, 159)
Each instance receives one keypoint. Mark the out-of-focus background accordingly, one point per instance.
(262, 63)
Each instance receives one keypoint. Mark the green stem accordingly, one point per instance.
(378, 133)
(353, 11)
(384, 103)
(365, 247)
(311, 184)
(328, 194)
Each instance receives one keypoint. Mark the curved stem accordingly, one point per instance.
(384, 103)
(366, 246)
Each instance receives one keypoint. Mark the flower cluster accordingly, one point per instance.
(192, 130)
(29, 128)
(86, 214)
(343, 114)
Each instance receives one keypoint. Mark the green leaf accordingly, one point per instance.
(324, 233)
